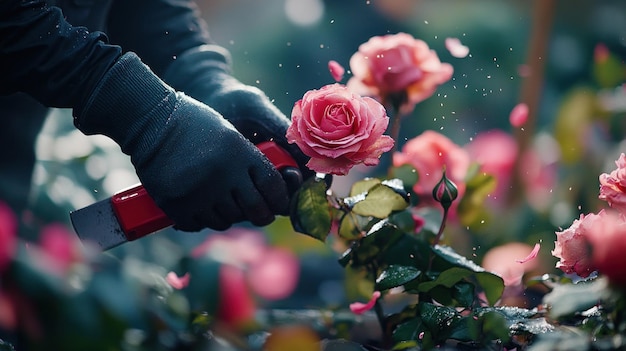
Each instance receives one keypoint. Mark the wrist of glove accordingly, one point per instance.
(197, 167)
(204, 73)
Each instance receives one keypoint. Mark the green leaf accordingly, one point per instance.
(380, 201)
(567, 299)
(472, 206)
(395, 276)
(407, 174)
(340, 345)
(492, 285)
(447, 279)
(311, 212)
(363, 186)
(449, 258)
(439, 320)
(408, 330)
(353, 226)
(381, 236)
(572, 123)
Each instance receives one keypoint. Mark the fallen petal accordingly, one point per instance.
(360, 308)
(519, 115)
(531, 255)
(456, 49)
(336, 70)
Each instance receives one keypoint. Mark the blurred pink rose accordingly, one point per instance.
(8, 235)
(429, 152)
(270, 272)
(275, 276)
(613, 186)
(236, 304)
(60, 247)
(391, 65)
(339, 129)
(572, 245)
(502, 260)
(608, 245)
(495, 151)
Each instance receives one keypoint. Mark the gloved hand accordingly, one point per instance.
(197, 167)
(204, 73)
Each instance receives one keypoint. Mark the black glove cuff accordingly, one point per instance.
(129, 101)
(198, 68)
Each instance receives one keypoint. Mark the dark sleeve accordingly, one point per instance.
(157, 30)
(44, 56)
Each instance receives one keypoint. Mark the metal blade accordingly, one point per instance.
(98, 223)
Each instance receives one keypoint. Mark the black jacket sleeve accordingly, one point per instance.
(44, 56)
(158, 31)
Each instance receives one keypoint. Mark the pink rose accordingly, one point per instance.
(60, 248)
(429, 153)
(572, 246)
(388, 66)
(608, 245)
(613, 186)
(339, 129)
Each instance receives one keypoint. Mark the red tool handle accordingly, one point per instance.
(139, 216)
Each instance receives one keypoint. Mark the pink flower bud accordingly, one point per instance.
(445, 192)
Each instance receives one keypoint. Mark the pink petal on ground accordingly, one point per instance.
(336, 70)
(177, 282)
(360, 308)
(531, 255)
(519, 115)
(455, 47)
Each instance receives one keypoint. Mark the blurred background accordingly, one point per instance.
(283, 47)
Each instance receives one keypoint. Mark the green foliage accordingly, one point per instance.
(311, 213)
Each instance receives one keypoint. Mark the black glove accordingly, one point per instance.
(204, 73)
(199, 170)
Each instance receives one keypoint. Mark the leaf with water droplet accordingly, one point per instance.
(311, 212)
(395, 276)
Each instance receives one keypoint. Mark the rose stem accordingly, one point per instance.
(542, 16)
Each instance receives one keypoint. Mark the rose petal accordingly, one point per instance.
(519, 115)
(360, 308)
(456, 49)
(177, 282)
(532, 255)
(336, 70)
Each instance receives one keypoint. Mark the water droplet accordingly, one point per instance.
(425, 22)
